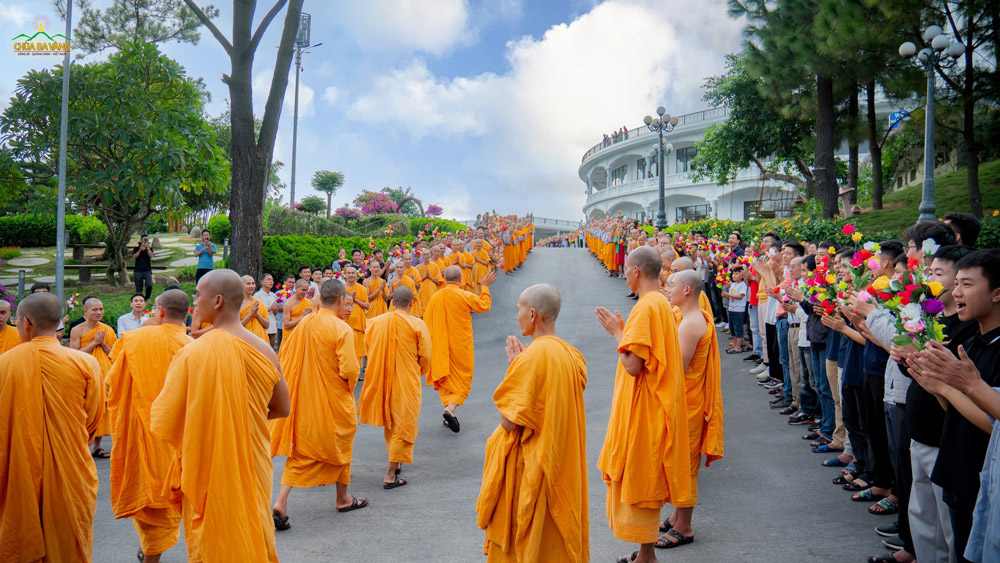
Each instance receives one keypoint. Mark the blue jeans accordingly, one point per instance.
(758, 338)
(783, 357)
(828, 423)
(736, 319)
(808, 401)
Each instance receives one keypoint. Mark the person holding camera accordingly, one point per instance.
(142, 273)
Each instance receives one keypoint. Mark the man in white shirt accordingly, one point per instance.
(270, 301)
(132, 320)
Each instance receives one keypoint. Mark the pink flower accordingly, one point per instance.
(874, 264)
(848, 229)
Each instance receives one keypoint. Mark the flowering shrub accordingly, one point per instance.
(375, 203)
(434, 211)
(348, 213)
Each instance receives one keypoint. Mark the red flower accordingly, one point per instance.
(848, 229)
(884, 296)
(912, 263)
(856, 262)
(865, 255)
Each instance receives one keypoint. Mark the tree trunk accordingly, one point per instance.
(329, 198)
(874, 148)
(826, 179)
(969, 136)
(852, 148)
(117, 243)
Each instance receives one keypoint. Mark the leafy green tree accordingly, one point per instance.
(252, 151)
(328, 183)
(312, 204)
(137, 139)
(406, 201)
(131, 21)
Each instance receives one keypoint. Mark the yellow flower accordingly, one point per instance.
(831, 278)
(996, 212)
(832, 251)
(935, 287)
(856, 237)
(881, 283)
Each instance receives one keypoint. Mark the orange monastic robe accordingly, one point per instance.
(399, 350)
(644, 460)
(703, 396)
(431, 285)
(376, 303)
(8, 338)
(533, 500)
(295, 313)
(213, 412)
(358, 320)
(405, 281)
(321, 367)
(465, 259)
(50, 402)
(479, 271)
(705, 305)
(253, 325)
(449, 319)
(103, 425)
(139, 466)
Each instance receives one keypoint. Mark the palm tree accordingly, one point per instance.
(328, 182)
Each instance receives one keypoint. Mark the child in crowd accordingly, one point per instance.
(737, 295)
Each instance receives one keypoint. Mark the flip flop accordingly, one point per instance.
(866, 496)
(358, 502)
(100, 453)
(452, 421)
(140, 555)
(399, 482)
(833, 461)
(667, 544)
(280, 522)
(627, 558)
(885, 507)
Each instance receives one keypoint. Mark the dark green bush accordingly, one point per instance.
(219, 226)
(40, 230)
(283, 255)
(187, 273)
(282, 221)
(9, 252)
(376, 225)
(989, 235)
(428, 225)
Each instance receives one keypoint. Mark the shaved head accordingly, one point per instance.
(681, 264)
(175, 303)
(544, 299)
(647, 260)
(670, 255)
(688, 278)
(43, 309)
(452, 274)
(332, 292)
(224, 283)
(301, 284)
(91, 303)
(402, 297)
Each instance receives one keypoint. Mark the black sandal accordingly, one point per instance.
(665, 526)
(280, 522)
(140, 555)
(399, 482)
(844, 479)
(811, 436)
(884, 558)
(451, 421)
(100, 453)
(664, 543)
(358, 502)
(627, 558)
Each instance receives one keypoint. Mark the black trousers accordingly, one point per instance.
(200, 272)
(961, 522)
(851, 409)
(904, 477)
(143, 279)
(773, 356)
(873, 411)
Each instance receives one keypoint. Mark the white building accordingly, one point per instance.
(621, 175)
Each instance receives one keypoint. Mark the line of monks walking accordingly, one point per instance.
(195, 422)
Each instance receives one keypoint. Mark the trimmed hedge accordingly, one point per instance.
(282, 221)
(40, 230)
(442, 225)
(283, 255)
(798, 228)
(220, 227)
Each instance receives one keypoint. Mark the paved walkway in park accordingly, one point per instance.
(768, 500)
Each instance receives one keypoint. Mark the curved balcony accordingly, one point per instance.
(641, 131)
(671, 180)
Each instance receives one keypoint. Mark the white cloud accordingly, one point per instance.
(433, 26)
(14, 16)
(331, 94)
(607, 68)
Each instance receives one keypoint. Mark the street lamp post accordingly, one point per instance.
(662, 123)
(942, 47)
(301, 44)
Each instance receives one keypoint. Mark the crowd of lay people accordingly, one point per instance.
(904, 429)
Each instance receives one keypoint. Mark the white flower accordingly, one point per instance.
(930, 247)
(910, 311)
(869, 246)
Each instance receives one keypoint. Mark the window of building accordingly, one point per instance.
(640, 169)
(618, 175)
(691, 213)
(684, 157)
(751, 210)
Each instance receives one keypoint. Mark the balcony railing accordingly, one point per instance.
(642, 130)
(672, 180)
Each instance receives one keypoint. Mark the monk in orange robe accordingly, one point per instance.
(95, 338)
(411, 270)
(8, 334)
(703, 396)
(400, 279)
(645, 458)
(213, 410)
(296, 307)
(318, 436)
(684, 264)
(399, 350)
(449, 319)
(139, 466)
(50, 403)
(466, 262)
(533, 500)
(361, 304)
(253, 312)
(431, 280)
(481, 265)
(376, 287)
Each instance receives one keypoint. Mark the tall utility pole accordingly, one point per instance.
(63, 137)
(301, 42)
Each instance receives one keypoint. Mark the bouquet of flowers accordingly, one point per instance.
(823, 288)
(72, 302)
(914, 303)
(148, 314)
(282, 293)
(864, 262)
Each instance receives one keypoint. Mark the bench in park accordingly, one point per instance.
(79, 249)
(86, 269)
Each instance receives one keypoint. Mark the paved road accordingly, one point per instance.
(768, 500)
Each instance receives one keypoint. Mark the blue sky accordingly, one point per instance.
(474, 104)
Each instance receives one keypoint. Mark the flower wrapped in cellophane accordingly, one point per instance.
(916, 305)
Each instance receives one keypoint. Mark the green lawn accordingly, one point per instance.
(951, 193)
